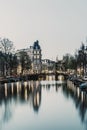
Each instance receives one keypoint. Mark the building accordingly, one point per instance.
(37, 62)
(48, 65)
(35, 55)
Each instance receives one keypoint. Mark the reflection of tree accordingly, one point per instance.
(8, 112)
(65, 92)
(21, 93)
(30, 92)
(80, 104)
(48, 86)
(82, 112)
(5, 110)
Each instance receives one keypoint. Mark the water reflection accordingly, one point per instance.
(79, 99)
(30, 92)
(20, 92)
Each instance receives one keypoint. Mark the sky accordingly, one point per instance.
(59, 25)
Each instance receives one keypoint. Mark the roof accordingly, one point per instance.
(36, 45)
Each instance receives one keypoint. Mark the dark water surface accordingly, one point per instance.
(43, 105)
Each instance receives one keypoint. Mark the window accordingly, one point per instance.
(37, 52)
(38, 61)
(34, 52)
(35, 61)
(35, 57)
(38, 56)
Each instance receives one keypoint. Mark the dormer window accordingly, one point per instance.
(34, 52)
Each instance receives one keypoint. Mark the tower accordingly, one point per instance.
(37, 57)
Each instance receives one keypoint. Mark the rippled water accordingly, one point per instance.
(42, 105)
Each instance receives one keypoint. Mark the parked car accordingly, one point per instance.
(83, 86)
(85, 78)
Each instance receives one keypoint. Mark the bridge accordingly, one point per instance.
(43, 75)
(34, 76)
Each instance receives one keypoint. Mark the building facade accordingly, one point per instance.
(48, 65)
(35, 55)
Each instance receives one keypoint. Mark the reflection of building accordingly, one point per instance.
(23, 92)
(36, 97)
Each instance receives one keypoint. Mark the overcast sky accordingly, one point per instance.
(59, 25)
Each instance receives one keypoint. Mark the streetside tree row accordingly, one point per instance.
(8, 59)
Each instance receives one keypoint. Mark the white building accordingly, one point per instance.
(35, 55)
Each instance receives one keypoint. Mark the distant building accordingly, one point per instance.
(60, 65)
(35, 55)
(37, 63)
(48, 65)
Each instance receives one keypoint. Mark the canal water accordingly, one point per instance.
(42, 105)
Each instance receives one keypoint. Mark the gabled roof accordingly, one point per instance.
(36, 45)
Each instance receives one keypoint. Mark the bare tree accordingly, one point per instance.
(6, 46)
